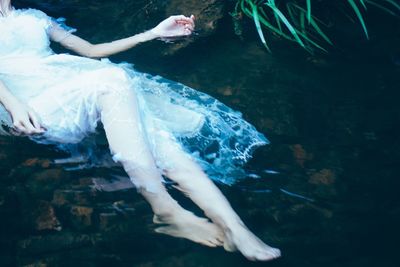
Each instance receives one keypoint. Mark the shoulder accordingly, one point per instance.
(32, 12)
(32, 16)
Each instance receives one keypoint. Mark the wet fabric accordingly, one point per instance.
(63, 89)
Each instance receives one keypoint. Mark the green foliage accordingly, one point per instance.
(294, 19)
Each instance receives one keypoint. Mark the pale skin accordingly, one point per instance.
(225, 228)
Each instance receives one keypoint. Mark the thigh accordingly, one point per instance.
(124, 130)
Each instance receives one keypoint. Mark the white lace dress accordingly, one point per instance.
(63, 89)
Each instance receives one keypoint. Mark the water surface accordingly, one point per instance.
(327, 186)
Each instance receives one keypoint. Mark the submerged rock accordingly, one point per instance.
(300, 155)
(324, 177)
(46, 212)
(81, 216)
(52, 243)
(44, 217)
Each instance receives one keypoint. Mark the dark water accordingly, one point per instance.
(327, 192)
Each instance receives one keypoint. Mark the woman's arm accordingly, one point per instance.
(174, 26)
(87, 49)
(24, 118)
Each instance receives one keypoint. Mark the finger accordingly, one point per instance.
(192, 19)
(183, 19)
(189, 26)
(19, 128)
(17, 125)
(29, 129)
(179, 17)
(35, 121)
(185, 22)
(14, 131)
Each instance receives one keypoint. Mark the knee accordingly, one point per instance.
(134, 162)
(143, 174)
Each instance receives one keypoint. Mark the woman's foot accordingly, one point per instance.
(242, 239)
(189, 226)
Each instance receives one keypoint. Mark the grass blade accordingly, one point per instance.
(359, 16)
(302, 22)
(272, 28)
(392, 2)
(309, 11)
(320, 32)
(363, 4)
(312, 42)
(314, 24)
(292, 30)
(387, 10)
(291, 12)
(251, 10)
(258, 26)
(278, 21)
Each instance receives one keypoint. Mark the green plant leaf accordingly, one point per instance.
(258, 26)
(271, 4)
(387, 10)
(363, 4)
(312, 42)
(272, 28)
(291, 12)
(394, 3)
(314, 24)
(309, 11)
(302, 22)
(269, 15)
(278, 21)
(359, 16)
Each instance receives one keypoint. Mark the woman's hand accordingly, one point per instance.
(25, 120)
(174, 26)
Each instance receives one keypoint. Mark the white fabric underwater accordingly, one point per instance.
(63, 90)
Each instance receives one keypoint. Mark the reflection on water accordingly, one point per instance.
(325, 191)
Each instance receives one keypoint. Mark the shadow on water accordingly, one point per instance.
(325, 191)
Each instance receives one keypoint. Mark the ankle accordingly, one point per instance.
(167, 213)
(164, 217)
(228, 225)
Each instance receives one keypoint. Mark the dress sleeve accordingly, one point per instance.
(58, 29)
(51, 24)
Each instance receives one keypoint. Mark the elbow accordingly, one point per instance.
(93, 51)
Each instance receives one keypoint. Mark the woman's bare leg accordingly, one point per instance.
(128, 144)
(194, 183)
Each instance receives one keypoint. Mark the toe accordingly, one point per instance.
(207, 243)
(269, 254)
(220, 242)
(277, 252)
(216, 242)
(156, 219)
(229, 246)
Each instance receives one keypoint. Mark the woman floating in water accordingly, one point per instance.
(154, 127)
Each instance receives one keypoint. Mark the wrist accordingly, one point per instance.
(152, 34)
